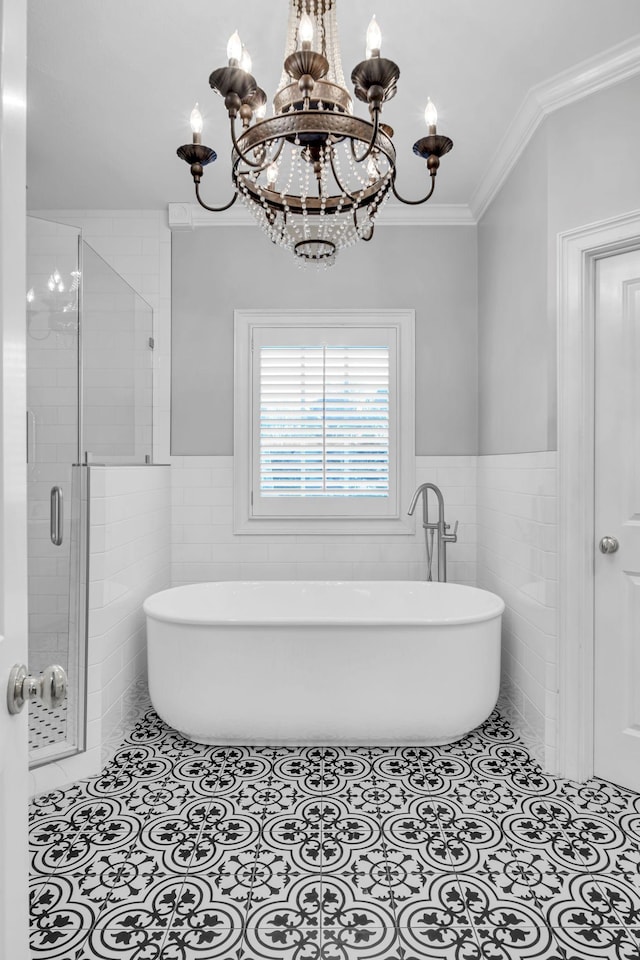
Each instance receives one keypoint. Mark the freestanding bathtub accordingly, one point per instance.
(357, 662)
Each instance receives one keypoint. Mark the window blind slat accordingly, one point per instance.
(324, 421)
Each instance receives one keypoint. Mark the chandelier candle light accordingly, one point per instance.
(313, 175)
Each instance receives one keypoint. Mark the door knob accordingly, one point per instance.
(50, 686)
(608, 545)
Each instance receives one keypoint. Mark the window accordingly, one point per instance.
(323, 421)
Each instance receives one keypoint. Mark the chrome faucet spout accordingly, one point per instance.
(439, 526)
(414, 501)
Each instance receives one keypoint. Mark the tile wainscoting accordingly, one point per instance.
(130, 559)
(517, 559)
(205, 548)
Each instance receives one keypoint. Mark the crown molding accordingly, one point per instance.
(613, 66)
(189, 216)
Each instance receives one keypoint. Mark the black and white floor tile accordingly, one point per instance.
(46, 726)
(179, 851)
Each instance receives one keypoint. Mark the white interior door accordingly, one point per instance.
(617, 517)
(13, 561)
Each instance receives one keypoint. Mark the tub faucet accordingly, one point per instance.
(430, 528)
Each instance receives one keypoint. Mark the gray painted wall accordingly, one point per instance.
(513, 345)
(430, 269)
(580, 167)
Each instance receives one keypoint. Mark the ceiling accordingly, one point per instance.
(111, 84)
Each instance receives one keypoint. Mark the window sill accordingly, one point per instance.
(322, 526)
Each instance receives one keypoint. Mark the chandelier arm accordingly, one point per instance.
(372, 143)
(267, 163)
(414, 203)
(214, 209)
(250, 163)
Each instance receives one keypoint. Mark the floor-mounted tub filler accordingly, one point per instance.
(357, 662)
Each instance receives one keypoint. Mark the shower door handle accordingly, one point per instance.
(56, 516)
(50, 686)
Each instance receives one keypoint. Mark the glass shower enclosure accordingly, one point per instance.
(89, 401)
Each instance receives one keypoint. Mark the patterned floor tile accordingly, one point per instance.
(418, 937)
(288, 926)
(599, 797)
(490, 902)
(375, 796)
(181, 851)
(211, 941)
(519, 942)
(135, 943)
(515, 876)
(154, 798)
(56, 802)
(266, 798)
(630, 824)
(594, 902)
(282, 941)
(368, 876)
(625, 864)
(150, 906)
(599, 943)
(226, 880)
(356, 936)
(60, 919)
(73, 857)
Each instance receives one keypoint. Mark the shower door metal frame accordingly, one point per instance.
(578, 252)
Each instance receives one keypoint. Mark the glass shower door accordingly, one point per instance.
(54, 483)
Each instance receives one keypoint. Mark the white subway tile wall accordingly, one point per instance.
(205, 547)
(130, 559)
(517, 559)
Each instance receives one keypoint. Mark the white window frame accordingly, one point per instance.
(349, 518)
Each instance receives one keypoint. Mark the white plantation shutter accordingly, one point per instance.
(324, 421)
(322, 400)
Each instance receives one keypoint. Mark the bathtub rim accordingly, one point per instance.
(150, 606)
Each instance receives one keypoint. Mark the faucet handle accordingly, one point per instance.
(451, 537)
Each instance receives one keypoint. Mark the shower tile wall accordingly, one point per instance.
(517, 558)
(205, 548)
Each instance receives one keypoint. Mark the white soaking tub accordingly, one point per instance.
(357, 662)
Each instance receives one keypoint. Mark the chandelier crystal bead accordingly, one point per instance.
(314, 176)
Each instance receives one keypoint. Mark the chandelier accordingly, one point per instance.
(313, 175)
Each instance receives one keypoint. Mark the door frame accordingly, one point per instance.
(578, 253)
(14, 860)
